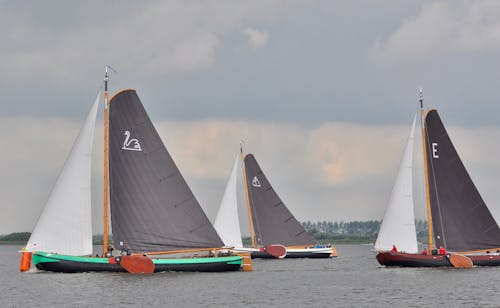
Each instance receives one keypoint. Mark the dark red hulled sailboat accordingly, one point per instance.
(459, 221)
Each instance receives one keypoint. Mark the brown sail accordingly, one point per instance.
(152, 207)
(460, 218)
(272, 221)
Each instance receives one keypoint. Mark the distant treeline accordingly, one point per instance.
(23, 237)
(354, 231)
(323, 232)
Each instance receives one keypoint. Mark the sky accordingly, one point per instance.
(322, 92)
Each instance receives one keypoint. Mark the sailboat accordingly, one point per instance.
(274, 231)
(154, 214)
(459, 222)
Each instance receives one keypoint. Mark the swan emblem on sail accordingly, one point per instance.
(255, 182)
(130, 144)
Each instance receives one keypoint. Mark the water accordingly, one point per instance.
(353, 279)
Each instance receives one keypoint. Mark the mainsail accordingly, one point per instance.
(227, 222)
(152, 207)
(398, 225)
(65, 225)
(461, 219)
(273, 223)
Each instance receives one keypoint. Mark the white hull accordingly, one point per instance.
(306, 252)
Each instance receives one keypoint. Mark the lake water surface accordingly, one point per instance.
(351, 280)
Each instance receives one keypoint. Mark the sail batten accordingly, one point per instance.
(65, 225)
(273, 222)
(398, 224)
(460, 218)
(152, 207)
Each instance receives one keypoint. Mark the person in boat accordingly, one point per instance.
(109, 253)
(424, 252)
(442, 251)
(125, 249)
(394, 249)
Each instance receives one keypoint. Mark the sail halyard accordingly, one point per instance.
(106, 166)
(65, 225)
(226, 222)
(430, 230)
(430, 171)
(249, 208)
(398, 225)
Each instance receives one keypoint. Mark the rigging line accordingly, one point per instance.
(437, 193)
(254, 212)
(247, 194)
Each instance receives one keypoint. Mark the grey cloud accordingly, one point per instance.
(313, 91)
(441, 28)
(336, 171)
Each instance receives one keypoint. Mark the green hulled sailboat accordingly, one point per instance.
(158, 225)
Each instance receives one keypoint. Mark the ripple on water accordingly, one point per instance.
(352, 279)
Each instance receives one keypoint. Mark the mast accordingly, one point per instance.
(426, 173)
(106, 165)
(250, 221)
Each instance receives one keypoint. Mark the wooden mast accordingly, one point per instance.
(106, 165)
(250, 221)
(426, 174)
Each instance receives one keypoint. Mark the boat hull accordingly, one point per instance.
(70, 264)
(401, 259)
(389, 258)
(313, 253)
(485, 260)
(292, 253)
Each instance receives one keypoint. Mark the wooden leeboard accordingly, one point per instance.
(137, 264)
(277, 251)
(460, 261)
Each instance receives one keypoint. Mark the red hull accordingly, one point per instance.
(485, 260)
(389, 258)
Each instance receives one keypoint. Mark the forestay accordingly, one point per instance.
(398, 225)
(65, 225)
(227, 222)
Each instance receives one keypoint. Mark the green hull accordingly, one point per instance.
(71, 264)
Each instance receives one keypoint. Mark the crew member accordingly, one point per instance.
(442, 251)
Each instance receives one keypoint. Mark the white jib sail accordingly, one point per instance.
(65, 225)
(227, 222)
(398, 225)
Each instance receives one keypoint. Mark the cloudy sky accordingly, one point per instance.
(322, 92)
